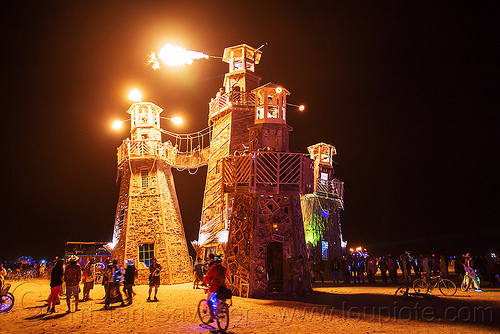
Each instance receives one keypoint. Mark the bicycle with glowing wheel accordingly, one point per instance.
(6, 298)
(219, 308)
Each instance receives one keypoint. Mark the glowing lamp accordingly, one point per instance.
(135, 95)
(176, 120)
(117, 125)
(279, 90)
(302, 107)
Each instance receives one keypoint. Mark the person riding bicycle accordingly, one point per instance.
(216, 277)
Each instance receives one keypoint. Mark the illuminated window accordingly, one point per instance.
(250, 65)
(324, 176)
(260, 112)
(144, 178)
(272, 111)
(238, 65)
(146, 253)
(324, 250)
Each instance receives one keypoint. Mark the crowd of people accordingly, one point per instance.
(359, 268)
(117, 281)
(300, 274)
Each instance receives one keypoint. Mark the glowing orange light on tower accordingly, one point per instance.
(117, 125)
(172, 55)
(302, 107)
(135, 95)
(176, 120)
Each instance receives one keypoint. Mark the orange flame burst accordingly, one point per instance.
(171, 55)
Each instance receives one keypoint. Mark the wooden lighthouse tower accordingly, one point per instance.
(230, 112)
(148, 222)
(266, 227)
(321, 209)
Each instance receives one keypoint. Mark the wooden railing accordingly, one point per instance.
(220, 104)
(133, 149)
(333, 188)
(268, 172)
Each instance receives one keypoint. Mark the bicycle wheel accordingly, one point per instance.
(420, 286)
(447, 287)
(465, 283)
(402, 291)
(222, 316)
(6, 303)
(203, 311)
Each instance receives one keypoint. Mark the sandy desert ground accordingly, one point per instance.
(331, 309)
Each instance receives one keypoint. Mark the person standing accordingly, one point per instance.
(211, 257)
(382, 264)
(335, 267)
(371, 269)
(3, 274)
(198, 273)
(56, 280)
(406, 267)
(154, 278)
(392, 265)
(72, 276)
(321, 271)
(129, 280)
(115, 277)
(443, 266)
(89, 275)
(426, 267)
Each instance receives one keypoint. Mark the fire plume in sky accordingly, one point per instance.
(171, 55)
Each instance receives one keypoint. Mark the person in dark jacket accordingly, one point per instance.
(115, 277)
(56, 281)
(129, 280)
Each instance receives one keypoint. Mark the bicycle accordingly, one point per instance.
(6, 299)
(220, 310)
(468, 279)
(423, 285)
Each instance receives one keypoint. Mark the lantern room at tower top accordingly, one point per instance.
(238, 55)
(145, 121)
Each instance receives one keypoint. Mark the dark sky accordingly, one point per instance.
(408, 94)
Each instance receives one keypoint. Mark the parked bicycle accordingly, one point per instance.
(424, 285)
(6, 298)
(220, 309)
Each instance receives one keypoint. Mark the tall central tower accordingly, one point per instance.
(148, 221)
(231, 111)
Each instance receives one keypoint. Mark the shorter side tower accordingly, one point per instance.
(148, 221)
(321, 209)
(264, 186)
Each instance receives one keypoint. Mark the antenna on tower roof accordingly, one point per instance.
(260, 47)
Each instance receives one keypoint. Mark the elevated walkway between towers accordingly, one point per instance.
(184, 151)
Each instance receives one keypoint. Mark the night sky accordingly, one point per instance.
(408, 94)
